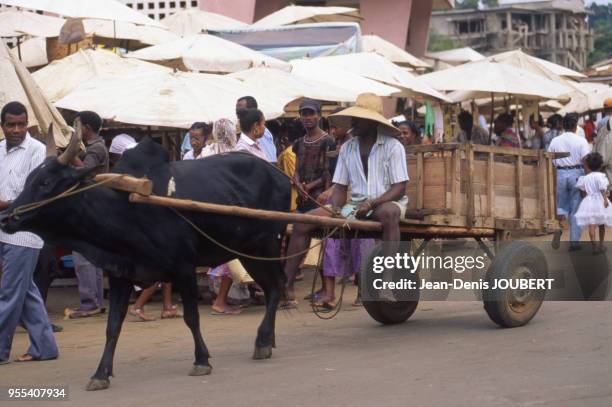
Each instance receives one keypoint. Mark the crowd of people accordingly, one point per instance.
(352, 163)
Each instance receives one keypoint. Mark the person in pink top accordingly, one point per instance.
(253, 125)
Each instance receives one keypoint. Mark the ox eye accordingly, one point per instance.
(46, 182)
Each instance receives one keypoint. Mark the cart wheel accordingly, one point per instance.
(384, 311)
(509, 307)
(390, 313)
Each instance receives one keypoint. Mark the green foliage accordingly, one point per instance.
(601, 23)
(466, 4)
(439, 42)
(490, 3)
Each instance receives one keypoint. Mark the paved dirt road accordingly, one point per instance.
(447, 354)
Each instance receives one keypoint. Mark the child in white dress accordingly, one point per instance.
(595, 209)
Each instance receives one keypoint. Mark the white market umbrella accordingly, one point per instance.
(536, 65)
(393, 53)
(18, 85)
(103, 9)
(207, 53)
(166, 99)
(32, 52)
(333, 76)
(83, 66)
(307, 14)
(142, 34)
(483, 78)
(588, 96)
(376, 67)
(270, 79)
(457, 55)
(194, 21)
(15, 23)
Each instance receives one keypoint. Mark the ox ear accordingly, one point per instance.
(50, 142)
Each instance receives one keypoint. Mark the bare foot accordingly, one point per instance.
(140, 314)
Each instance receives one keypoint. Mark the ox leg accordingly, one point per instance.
(188, 287)
(119, 297)
(271, 278)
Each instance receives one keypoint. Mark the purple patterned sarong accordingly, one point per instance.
(343, 256)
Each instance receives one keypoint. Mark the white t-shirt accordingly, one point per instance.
(580, 132)
(569, 143)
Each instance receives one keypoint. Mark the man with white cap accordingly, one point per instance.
(120, 143)
(373, 165)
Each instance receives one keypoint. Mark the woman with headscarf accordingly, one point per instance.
(224, 138)
(224, 141)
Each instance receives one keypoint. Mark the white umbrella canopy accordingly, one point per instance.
(393, 53)
(18, 85)
(536, 65)
(32, 52)
(167, 99)
(194, 21)
(143, 34)
(457, 55)
(588, 96)
(333, 76)
(103, 9)
(307, 14)
(15, 23)
(84, 65)
(207, 53)
(376, 67)
(481, 79)
(270, 79)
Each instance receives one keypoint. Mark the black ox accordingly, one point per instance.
(146, 243)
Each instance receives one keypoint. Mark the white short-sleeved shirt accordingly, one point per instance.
(569, 143)
(593, 183)
(15, 166)
(386, 166)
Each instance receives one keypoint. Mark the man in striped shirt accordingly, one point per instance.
(20, 300)
(373, 165)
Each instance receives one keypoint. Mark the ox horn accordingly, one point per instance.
(50, 142)
(74, 146)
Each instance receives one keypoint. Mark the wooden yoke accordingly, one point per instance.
(142, 186)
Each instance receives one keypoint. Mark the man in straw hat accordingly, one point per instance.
(373, 165)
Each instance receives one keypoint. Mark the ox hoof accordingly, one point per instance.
(97, 384)
(264, 352)
(200, 370)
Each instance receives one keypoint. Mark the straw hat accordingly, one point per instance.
(368, 106)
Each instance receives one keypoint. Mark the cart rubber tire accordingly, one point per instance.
(390, 313)
(513, 308)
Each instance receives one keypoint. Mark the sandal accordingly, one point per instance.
(325, 305)
(26, 357)
(288, 304)
(171, 313)
(139, 313)
(226, 312)
(77, 313)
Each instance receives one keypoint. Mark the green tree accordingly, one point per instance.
(466, 4)
(600, 22)
(439, 42)
(490, 3)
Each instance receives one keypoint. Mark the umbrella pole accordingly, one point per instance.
(19, 48)
(492, 117)
(518, 122)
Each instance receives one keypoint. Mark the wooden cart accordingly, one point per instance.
(488, 193)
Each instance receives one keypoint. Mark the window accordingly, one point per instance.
(151, 6)
(183, 4)
(140, 6)
(162, 15)
(152, 16)
(130, 5)
(194, 3)
(173, 4)
(161, 4)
